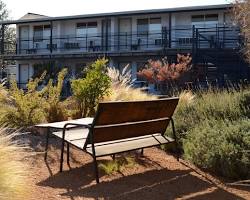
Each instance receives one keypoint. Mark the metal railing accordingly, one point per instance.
(182, 37)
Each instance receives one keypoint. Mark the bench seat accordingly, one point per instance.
(78, 138)
(118, 146)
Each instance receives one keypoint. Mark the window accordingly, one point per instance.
(155, 25)
(92, 28)
(38, 33)
(150, 25)
(198, 18)
(41, 32)
(142, 26)
(79, 70)
(211, 17)
(46, 32)
(83, 29)
(203, 21)
(122, 66)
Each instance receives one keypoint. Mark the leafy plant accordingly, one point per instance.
(54, 108)
(88, 91)
(162, 73)
(52, 70)
(25, 108)
(213, 130)
(220, 146)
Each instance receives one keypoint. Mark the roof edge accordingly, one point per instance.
(122, 13)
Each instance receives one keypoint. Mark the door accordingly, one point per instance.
(23, 39)
(125, 31)
(23, 75)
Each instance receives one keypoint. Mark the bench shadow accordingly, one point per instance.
(154, 184)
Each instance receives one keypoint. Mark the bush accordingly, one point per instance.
(13, 173)
(87, 92)
(218, 105)
(54, 108)
(222, 147)
(23, 109)
(213, 130)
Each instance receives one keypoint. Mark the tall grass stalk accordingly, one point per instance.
(121, 87)
(13, 179)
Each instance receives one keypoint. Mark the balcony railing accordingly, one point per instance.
(176, 38)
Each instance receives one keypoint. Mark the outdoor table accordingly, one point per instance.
(60, 125)
(63, 125)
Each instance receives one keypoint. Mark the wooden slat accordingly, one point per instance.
(127, 130)
(118, 146)
(121, 112)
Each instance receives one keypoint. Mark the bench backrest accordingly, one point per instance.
(120, 120)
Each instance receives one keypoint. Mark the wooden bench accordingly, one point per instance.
(120, 127)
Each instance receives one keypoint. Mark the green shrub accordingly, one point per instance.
(222, 147)
(88, 91)
(213, 130)
(24, 109)
(218, 105)
(54, 108)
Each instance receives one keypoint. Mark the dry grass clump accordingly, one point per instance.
(186, 98)
(121, 87)
(3, 93)
(12, 170)
(117, 165)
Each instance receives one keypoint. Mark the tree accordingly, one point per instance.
(162, 73)
(90, 90)
(242, 18)
(9, 33)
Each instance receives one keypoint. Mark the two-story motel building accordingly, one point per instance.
(133, 37)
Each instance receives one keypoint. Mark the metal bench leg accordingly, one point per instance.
(96, 170)
(68, 153)
(178, 153)
(142, 151)
(47, 144)
(61, 160)
(175, 138)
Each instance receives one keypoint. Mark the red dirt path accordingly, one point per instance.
(157, 175)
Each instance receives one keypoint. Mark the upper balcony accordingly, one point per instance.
(182, 38)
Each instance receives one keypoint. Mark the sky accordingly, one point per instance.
(53, 8)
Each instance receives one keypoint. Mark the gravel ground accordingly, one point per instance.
(156, 175)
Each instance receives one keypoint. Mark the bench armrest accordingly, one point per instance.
(75, 125)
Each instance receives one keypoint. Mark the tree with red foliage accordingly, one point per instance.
(161, 72)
